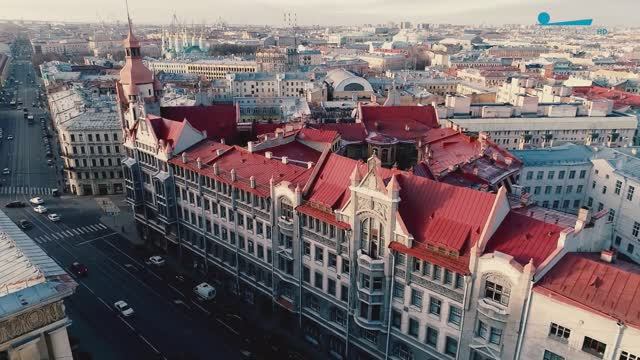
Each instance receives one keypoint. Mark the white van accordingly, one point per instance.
(205, 291)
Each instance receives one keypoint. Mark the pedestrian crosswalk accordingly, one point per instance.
(25, 190)
(64, 234)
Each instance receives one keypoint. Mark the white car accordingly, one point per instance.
(123, 308)
(54, 217)
(36, 200)
(6, 171)
(10, 137)
(40, 209)
(156, 260)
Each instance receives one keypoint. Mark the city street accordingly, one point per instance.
(168, 323)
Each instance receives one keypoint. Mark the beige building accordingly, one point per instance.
(33, 322)
(210, 69)
(90, 135)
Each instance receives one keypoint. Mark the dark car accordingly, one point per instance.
(24, 224)
(79, 269)
(15, 204)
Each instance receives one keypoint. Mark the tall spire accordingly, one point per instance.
(126, 2)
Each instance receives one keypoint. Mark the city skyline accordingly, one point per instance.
(263, 12)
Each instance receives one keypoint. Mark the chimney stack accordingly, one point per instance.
(252, 182)
(267, 154)
(608, 256)
(184, 158)
(285, 160)
(584, 218)
(199, 162)
(233, 174)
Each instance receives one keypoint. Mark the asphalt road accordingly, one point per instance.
(169, 323)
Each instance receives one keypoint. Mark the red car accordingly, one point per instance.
(79, 269)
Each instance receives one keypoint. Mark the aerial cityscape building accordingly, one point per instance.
(405, 191)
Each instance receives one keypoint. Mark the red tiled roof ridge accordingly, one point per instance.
(316, 171)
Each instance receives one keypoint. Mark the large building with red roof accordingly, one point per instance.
(372, 261)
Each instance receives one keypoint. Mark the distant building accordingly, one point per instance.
(277, 59)
(210, 69)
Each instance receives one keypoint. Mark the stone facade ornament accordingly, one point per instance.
(30, 321)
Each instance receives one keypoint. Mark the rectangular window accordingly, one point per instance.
(529, 175)
(547, 189)
(377, 283)
(414, 327)
(306, 275)
(583, 174)
(558, 189)
(451, 346)
(416, 298)
(435, 306)
(593, 347)
(396, 319)
(628, 356)
(548, 355)
(579, 189)
(495, 336)
(344, 293)
(459, 281)
(536, 190)
(618, 187)
(448, 277)
(482, 330)
(497, 293)
(307, 248)
(561, 174)
(572, 174)
(365, 281)
(636, 228)
(398, 290)
(345, 266)
(612, 215)
(319, 254)
(540, 175)
(432, 337)
(455, 315)
(333, 261)
(317, 280)
(331, 287)
(550, 175)
(436, 272)
(559, 332)
(630, 191)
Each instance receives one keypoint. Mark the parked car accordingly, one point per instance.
(9, 137)
(79, 269)
(157, 260)
(40, 209)
(54, 217)
(6, 171)
(24, 224)
(123, 308)
(36, 200)
(15, 204)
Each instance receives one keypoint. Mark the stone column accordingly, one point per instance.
(59, 345)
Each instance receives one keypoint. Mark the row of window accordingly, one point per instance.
(437, 273)
(318, 252)
(551, 174)
(95, 175)
(549, 189)
(90, 137)
(95, 149)
(589, 345)
(95, 162)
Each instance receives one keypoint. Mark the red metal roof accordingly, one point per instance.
(315, 135)
(620, 98)
(443, 216)
(585, 281)
(295, 151)
(401, 122)
(331, 185)
(219, 121)
(165, 129)
(525, 238)
(322, 215)
(246, 164)
(261, 129)
(347, 131)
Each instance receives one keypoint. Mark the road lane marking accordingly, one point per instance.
(127, 323)
(228, 327)
(201, 308)
(94, 239)
(150, 345)
(176, 290)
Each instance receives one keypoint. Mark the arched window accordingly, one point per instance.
(372, 237)
(353, 87)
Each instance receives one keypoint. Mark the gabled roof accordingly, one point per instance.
(525, 238)
(219, 121)
(407, 123)
(165, 129)
(443, 219)
(585, 281)
(330, 187)
(315, 135)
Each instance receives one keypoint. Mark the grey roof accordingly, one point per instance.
(566, 154)
(622, 160)
(28, 275)
(265, 76)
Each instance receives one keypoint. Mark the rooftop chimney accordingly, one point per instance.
(608, 256)
(252, 182)
(199, 162)
(285, 160)
(222, 141)
(184, 157)
(233, 174)
(584, 218)
(215, 168)
(219, 152)
(267, 154)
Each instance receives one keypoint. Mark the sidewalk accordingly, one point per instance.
(123, 221)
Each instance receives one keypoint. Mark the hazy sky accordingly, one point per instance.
(329, 12)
